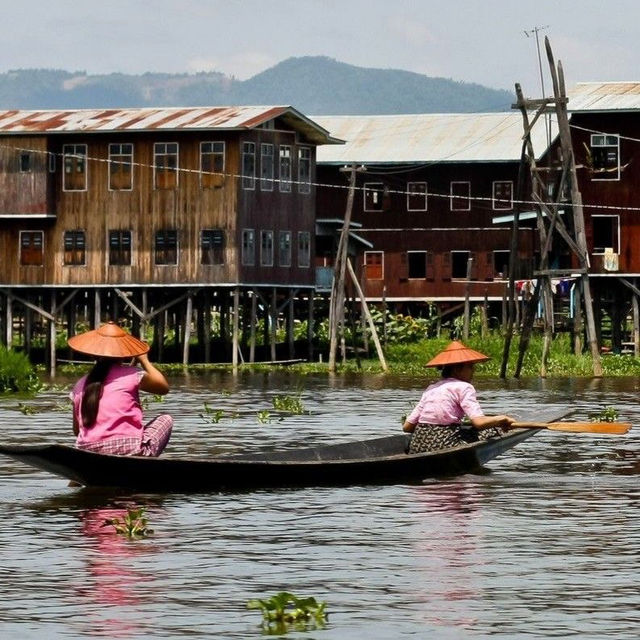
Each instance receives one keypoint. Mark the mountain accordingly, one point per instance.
(312, 84)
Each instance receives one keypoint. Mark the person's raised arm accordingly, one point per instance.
(484, 422)
(153, 380)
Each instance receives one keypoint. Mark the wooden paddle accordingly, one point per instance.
(614, 428)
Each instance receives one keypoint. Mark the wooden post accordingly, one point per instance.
(97, 310)
(8, 321)
(372, 326)
(290, 325)
(28, 330)
(577, 318)
(274, 321)
(206, 326)
(310, 323)
(254, 322)
(187, 330)
(236, 328)
(467, 306)
(336, 310)
(52, 336)
(636, 325)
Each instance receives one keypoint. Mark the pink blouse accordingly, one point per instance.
(119, 412)
(446, 402)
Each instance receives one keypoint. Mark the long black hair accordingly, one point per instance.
(93, 390)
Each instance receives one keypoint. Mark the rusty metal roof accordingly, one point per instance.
(158, 119)
(604, 96)
(421, 138)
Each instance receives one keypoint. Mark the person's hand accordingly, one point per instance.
(504, 422)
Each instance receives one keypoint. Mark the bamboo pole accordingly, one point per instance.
(236, 327)
(254, 322)
(187, 330)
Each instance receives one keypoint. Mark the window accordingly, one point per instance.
(248, 165)
(248, 247)
(212, 246)
(416, 196)
(119, 248)
(74, 248)
(285, 168)
(304, 170)
(32, 248)
(606, 233)
(605, 157)
(501, 264)
(120, 167)
(459, 261)
(284, 253)
(26, 162)
(75, 167)
(417, 264)
(266, 248)
(165, 160)
(373, 195)
(211, 164)
(266, 167)
(374, 265)
(502, 195)
(166, 247)
(304, 248)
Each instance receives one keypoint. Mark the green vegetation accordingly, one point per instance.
(289, 404)
(212, 415)
(264, 416)
(607, 414)
(17, 374)
(133, 525)
(285, 612)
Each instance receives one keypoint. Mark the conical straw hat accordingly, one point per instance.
(108, 341)
(456, 353)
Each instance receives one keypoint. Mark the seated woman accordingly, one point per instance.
(435, 423)
(107, 416)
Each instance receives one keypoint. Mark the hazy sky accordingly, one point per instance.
(479, 41)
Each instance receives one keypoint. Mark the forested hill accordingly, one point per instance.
(311, 84)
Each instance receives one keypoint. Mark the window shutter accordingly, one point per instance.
(446, 266)
(404, 266)
(430, 267)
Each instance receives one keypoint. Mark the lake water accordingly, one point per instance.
(547, 544)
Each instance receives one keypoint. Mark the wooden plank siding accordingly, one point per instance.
(144, 209)
(397, 231)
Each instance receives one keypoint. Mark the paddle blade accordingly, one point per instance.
(613, 428)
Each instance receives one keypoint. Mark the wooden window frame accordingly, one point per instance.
(267, 167)
(453, 198)
(31, 255)
(304, 249)
(162, 169)
(416, 194)
(266, 257)
(120, 159)
(497, 202)
(248, 247)
(74, 161)
(165, 255)
(248, 177)
(601, 174)
(408, 254)
(369, 267)
(212, 163)
(285, 166)
(212, 244)
(123, 253)
(74, 242)
(304, 160)
(494, 264)
(284, 248)
(25, 162)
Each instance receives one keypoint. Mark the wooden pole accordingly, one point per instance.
(636, 325)
(254, 322)
(8, 321)
(310, 325)
(467, 305)
(187, 330)
(290, 325)
(236, 329)
(97, 310)
(52, 336)
(336, 310)
(274, 321)
(367, 313)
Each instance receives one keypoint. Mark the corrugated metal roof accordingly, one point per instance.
(158, 119)
(418, 138)
(604, 96)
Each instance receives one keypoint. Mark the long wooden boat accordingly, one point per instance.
(376, 461)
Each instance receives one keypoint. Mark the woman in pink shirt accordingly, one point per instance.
(435, 423)
(107, 416)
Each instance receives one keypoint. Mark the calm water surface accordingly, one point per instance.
(545, 545)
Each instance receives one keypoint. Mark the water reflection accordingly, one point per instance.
(114, 591)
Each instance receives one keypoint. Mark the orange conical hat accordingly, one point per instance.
(456, 353)
(108, 341)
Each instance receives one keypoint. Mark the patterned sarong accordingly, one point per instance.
(155, 437)
(435, 437)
